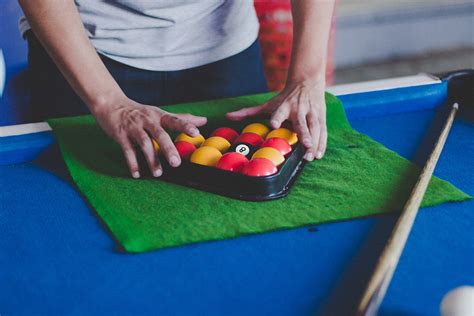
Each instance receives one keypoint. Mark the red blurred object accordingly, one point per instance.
(250, 138)
(227, 133)
(279, 144)
(276, 36)
(259, 167)
(232, 161)
(185, 149)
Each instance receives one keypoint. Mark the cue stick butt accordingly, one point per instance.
(388, 260)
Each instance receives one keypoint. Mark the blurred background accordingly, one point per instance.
(375, 39)
(385, 38)
(371, 39)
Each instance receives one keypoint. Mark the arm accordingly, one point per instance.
(58, 26)
(302, 100)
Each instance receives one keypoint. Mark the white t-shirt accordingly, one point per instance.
(167, 35)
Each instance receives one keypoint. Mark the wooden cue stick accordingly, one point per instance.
(387, 263)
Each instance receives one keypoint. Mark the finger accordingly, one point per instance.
(130, 158)
(158, 167)
(245, 112)
(315, 130)
(301, 128)
(178, 124)
(193, 119)
(323, 139)
(280, 115)
(166, 145)
(144, 141)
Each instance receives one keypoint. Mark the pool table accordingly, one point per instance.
(56, 257)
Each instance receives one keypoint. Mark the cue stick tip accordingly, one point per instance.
(456, 106)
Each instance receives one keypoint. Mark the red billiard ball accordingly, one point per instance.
(259, 167)
(232, 161)
(226, 132)
(185, 149)
(279, 144)
(250, 138)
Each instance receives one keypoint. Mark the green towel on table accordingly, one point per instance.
(358, 177)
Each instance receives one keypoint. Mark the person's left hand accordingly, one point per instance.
(304, 105)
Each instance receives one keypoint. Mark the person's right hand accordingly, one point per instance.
(130, 123)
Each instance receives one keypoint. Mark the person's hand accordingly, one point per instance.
(130, 123)
(304, 105)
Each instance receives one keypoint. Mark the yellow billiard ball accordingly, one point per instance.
(256, 128)
(206, 156)
(196, 140)
(271, 154)
(284, 133)
(217, 142)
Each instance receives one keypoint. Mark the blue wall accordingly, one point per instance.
(14, 103)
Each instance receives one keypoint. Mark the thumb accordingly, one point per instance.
(244, 113)
(193, 119)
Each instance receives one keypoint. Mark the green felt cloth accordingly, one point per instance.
(358, 177)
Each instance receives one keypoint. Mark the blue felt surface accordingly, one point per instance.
(56, 257)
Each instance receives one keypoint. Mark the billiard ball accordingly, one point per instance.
(257, 128)
(206, 156)
(218, 142)
(458, 302)
(185, 149)
(226, 132)
(232, 161)
(196, 140)
(279, 144)
(156, 147)
(259, 167)
(284, 133)
(271, 154)
(250, 138)
(244, 149)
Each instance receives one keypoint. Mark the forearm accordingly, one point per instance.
(311, 28)
(58, 26)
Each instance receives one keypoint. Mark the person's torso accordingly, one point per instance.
(169, 34)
